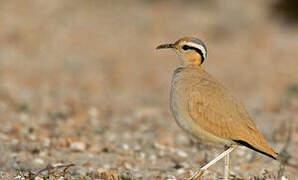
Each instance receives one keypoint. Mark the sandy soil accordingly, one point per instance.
(84, 94)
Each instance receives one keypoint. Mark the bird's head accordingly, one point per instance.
(191, 51)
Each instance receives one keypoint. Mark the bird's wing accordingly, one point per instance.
(214, 109)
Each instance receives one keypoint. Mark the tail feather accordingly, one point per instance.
(272, 155)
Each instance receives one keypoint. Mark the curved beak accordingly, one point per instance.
(165, 46)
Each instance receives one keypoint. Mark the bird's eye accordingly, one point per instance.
(185, 47)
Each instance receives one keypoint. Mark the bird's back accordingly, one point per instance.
(205, 109)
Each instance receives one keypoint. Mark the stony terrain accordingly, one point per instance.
(84, 93)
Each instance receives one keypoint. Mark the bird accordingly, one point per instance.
(206, 110)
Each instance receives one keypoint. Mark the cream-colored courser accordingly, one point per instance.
(206, 110)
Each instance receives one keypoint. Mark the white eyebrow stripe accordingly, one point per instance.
(197, 46)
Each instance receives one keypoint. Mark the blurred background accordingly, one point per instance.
(81, 82)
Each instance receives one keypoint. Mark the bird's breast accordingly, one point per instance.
(181, 86)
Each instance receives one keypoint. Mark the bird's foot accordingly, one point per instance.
(196, 175)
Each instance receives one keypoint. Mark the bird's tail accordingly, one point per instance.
(266, 150)
(257, 142)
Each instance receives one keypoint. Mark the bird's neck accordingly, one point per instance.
(194, 65)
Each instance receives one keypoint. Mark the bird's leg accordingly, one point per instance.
(200, 172)
(227, 164)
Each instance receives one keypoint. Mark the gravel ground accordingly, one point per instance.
(84, 94)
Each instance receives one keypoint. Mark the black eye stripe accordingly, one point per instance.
(186, 47)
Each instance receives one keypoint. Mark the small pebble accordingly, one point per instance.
(38, 161)
(43, 154)
(152, 157)
(24, 117)
(81, 171)
(185, 164)
(78, 146)
(46, 142)
(161, 153)
(127, 165)
(137, 148)
(93, 112)
(180, 171)
(194, 149)
(169, 177)
(90, 156)
(159, 146)
(182, 138)
(100, 170)
(18, 178)
(172, 150)
(237, 168)
(182, 154)
(125, 146)
(142, 155)
(111, 137)
(32, 137)
(138, 175)
(106, 166)
(14, 141)
(57, 164)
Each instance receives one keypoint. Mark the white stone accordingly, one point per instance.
(78, 146)
(185, 164)
(169, 177)
(125, 146)
(38, 161)
(152, 158)
(127, 165)
(32, 137)
(57, 164)
(93, 112)
(161, 153)
(46, 142)
(142, 155)
(182, 154)
(180, 171)
(159, 146)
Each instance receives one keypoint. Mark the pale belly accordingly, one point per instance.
(185, 121)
